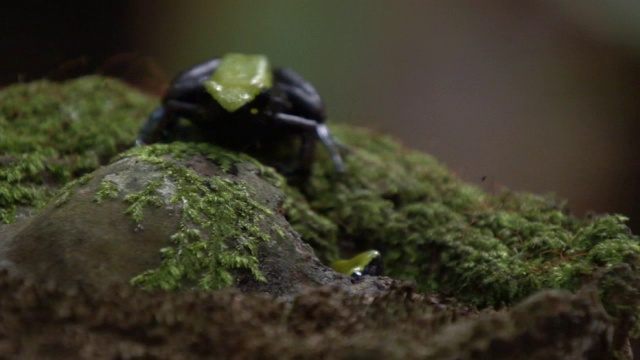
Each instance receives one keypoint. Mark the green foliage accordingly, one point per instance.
(220, 225)
(449, 236)
(52, 133)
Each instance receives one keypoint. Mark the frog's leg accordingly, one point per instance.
(155, 125)
(164, 118)
(319, 131)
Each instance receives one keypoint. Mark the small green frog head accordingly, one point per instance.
(365, 263)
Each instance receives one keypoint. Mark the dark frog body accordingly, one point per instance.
(240, 103)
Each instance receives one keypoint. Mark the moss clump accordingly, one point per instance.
(220, 227)
(106, 190)
(452, 237)
(52, 133)
(431, 227)
(314, 228)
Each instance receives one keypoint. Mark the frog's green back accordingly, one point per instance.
(239, 79)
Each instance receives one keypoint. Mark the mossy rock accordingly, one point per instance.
(452, 237)
(431, 227)
(172, 217)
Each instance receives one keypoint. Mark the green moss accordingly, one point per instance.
(452, 237)
(52, 133)
(140, 200)
(431, 227)
(220, 227)
(64, 194)
(106, 190)
(315, 229)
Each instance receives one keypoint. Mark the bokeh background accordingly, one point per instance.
(532, 95)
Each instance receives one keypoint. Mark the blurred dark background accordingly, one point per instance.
(533, 95)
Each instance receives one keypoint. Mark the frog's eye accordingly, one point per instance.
(239, 79)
